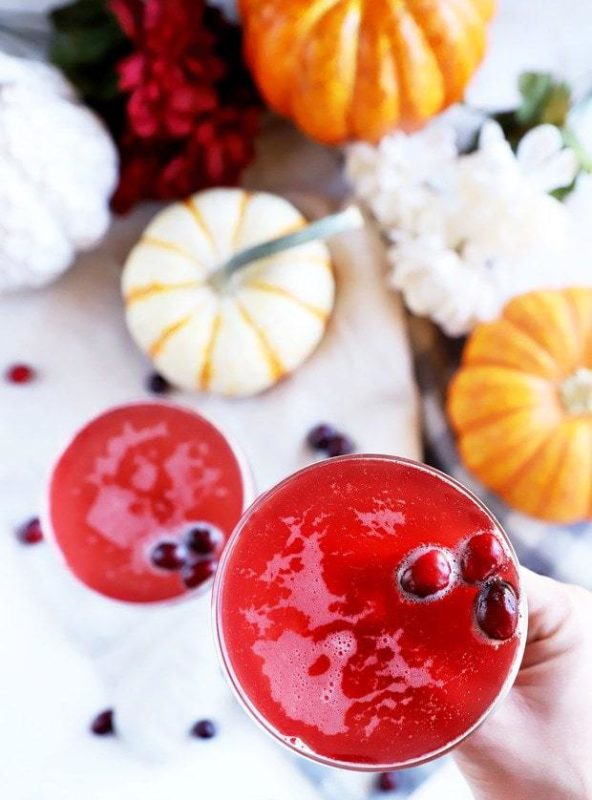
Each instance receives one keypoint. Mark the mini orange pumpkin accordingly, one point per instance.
(353, 69)
(521, 404)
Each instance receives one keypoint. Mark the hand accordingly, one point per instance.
(538, 744)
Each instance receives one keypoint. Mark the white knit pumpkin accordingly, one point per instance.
(58, 168)
(238, 336)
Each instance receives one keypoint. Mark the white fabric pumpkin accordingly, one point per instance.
(241, 336)
(58, 168)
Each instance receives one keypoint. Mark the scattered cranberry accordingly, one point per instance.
(203, 540)
(30, 532)
(157, 384)
(428, 574)
(204, 729)
(496, 610)
(193, 575)
(340, 445)
(102, 724)
(482, 556)
(386, 781)
(168, 555)
(19, 373)
(326, 438)
(320, 436)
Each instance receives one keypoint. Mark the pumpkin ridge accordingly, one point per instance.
(198, 217)
(307, 22)
(560, 461)
(151, 289)
(535, 345)
(170, 247)
(442, 57)
(408, 109)
(205, 372)
(353, 92)
(518, 473)
(538, 312)
(279, 291)
(579, 334)
(589, 504)
(156, 346)
(274, 364)
(244, 202)
(404, 109)
(482, 422)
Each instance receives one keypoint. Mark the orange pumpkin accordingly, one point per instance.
(521, 404)
(353, 69)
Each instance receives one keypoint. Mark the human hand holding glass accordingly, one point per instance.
(538, 745)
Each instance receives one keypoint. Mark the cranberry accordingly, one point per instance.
(496, 609)
(30, 532)
(156, 384)
(102, 724)
(386, 781)
(168, 555)
(204, 729)
(193, 575)
(482, 556)
(428, 574)
(203, 540)
(19, 373)
(339, 445)
(320, 436)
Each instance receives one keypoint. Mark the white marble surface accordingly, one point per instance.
(67, 653)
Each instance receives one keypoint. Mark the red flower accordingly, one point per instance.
(191, 109)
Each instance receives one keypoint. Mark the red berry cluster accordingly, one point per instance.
(191, 109)
(429, 572)
(195, 557)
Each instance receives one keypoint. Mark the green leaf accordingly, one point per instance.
(87, 45)
(544, 100)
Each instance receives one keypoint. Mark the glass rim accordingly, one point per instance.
(251, 708)
(247, 480)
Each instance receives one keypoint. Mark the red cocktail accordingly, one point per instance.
(369, 612)
(143, 499)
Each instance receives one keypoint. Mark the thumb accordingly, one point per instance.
(550, 623)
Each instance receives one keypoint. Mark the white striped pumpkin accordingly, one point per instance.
(260, 324)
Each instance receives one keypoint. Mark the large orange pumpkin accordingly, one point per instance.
(353, 69)
(521, 404)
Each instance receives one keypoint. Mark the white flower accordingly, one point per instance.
(468, 230)
(402, 178)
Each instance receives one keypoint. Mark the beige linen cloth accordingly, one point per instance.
(68, 653)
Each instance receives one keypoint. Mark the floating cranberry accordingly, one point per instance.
(427, 574)
(19, 373)
(339, 445)
(156, 384)
(193, 575)
(496, 609)
(203, 540)
(482, 557)
(168, 555)
(386, 782)
(320, 436)
(204, 729)
(102, 724)
(30, 532)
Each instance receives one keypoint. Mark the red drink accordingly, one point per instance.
(368, 612)
(143, 499)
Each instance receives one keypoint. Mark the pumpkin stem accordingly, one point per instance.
(350, 218)
(576, 392)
